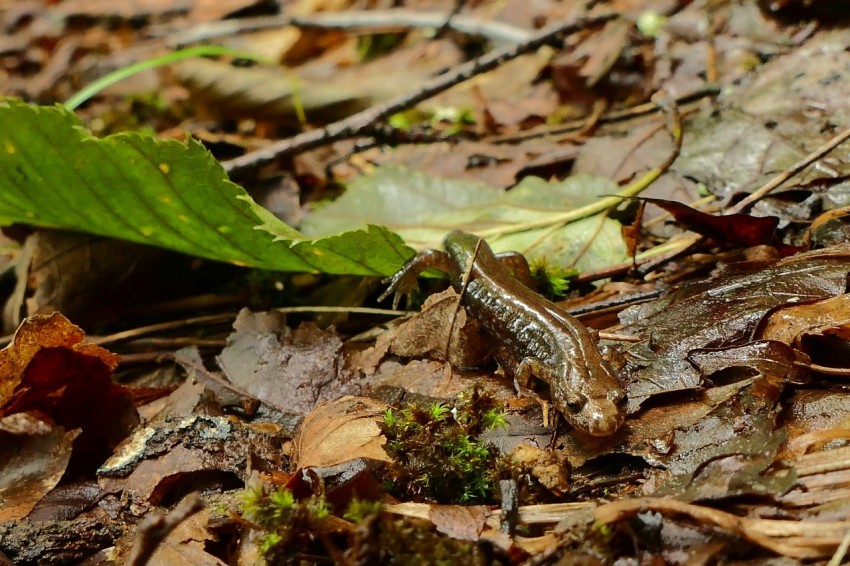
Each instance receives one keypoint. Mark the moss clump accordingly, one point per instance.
(552, 281)
(437, 451)
(289, 525)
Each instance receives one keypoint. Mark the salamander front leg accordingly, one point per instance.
(523, 373)
(517, 264)
(405, 280)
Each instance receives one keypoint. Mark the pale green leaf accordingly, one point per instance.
(422, 209)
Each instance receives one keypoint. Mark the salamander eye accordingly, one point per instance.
(575, 404)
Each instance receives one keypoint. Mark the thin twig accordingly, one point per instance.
(161, 327)
(360, 123)
(841, 551)
(770, 186)
(367, 21)
(610, 117)
(155, 527)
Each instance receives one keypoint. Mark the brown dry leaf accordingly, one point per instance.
(181, 402)
(269, 94)
(508, 95)
(624, 156)
(460, 522)
(339, 431)
(423, 377)
(185, 544)
(606, 49)
(499, 165)
(291, 370)
(48, 370)
(34, 457)
(324, 91)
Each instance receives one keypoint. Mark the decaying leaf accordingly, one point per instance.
(292, 370)
(426, 333)
(736, 229)
(34, 455)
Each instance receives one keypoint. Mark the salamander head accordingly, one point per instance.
(597, 406)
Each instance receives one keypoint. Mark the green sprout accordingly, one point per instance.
(438, 411)
(130, 70)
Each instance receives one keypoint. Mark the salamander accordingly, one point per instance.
(534, 337)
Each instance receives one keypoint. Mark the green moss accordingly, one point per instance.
(437, 451)
(360, 509)
(289, 525)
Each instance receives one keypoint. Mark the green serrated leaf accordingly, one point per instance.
(166, 193)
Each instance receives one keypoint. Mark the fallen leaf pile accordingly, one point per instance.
(196, 367)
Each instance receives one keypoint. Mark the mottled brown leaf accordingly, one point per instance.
(48, 370)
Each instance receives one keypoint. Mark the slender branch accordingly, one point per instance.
(777, 181)
(368, 21)
(357, 124)
(155, 527)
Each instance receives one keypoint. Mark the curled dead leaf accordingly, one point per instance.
(340, 431)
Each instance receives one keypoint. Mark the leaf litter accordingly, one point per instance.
(735, 443)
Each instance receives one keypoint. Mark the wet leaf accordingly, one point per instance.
(723, 311)
(736, 229)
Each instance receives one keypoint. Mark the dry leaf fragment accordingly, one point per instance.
(34, 456)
